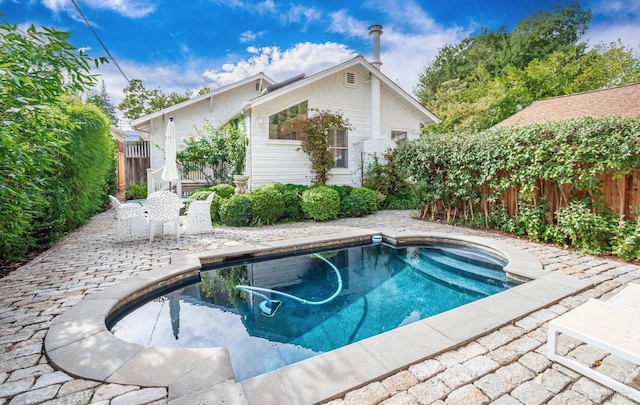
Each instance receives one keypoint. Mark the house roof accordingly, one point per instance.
(300, 82)
(143, 122)
(617, 101)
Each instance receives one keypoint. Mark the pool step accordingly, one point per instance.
(465, 267)
(457, 280)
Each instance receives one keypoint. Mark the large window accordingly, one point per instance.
(338, 145)
(289, 123)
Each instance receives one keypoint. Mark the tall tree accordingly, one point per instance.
(139, 101)
(543, 33)
(103, 101)
(484, 79)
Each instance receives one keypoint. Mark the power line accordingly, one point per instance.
(115, 62)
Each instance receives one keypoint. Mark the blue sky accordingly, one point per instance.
(185, 45)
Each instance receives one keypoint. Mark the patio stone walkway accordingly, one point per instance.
(506, 366)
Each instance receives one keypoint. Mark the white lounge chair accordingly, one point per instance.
(132, 221)
(163, 208)
(612, 325)
(199, 216)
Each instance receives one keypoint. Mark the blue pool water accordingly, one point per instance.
(371, 289)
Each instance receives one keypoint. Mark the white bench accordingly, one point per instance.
(612, 325)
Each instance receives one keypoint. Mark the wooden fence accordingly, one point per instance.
(137, 160)
(622, 195)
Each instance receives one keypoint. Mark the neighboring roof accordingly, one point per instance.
(617, 101)
(125, 135)
(144, 121)
(299, 82)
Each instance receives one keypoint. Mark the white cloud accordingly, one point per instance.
(127, 8)
(250, 36)
(616, 8)
(301, 14)
(623, 23)
(266, 7)
(305, 57)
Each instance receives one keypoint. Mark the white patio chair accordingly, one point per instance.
(612, 326)
(163, 208)
(132, 221)
(199, 216)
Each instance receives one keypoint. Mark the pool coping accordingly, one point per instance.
(79, 343)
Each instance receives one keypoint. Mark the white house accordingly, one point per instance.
(380, 112)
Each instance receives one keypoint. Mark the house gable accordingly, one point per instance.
(345, 88)
(213, 106)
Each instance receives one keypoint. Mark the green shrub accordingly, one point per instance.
(353, 206)
(292, 209)
(200, 195)
(585, 228)
(343, 191)
(136, 191)
(298, 188)
(369, 196)
(267, 206)
(320, 203)
(405, 199)
(215, 208)
(236, 210)
(223, 190)
(532, 220)
(500, 219)
(626, 242)
(279, 187)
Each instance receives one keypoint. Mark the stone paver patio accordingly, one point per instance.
(505, 366)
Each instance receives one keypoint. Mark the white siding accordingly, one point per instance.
(194, 115)
(283, 161)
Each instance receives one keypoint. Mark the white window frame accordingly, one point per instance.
(343, 157)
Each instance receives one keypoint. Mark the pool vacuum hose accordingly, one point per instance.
(268, 307)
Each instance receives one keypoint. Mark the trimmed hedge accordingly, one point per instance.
(236, 210)
(369, 196)
(353, 206)
(267, 205)
(320, 203)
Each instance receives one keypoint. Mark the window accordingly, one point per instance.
(289, 123)
(399, 137)
(338, 145)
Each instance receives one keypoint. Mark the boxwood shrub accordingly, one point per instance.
(279, 187)
(292, 209)
(223, 190)
(236, 210)
(353, 206)
(369, 196)
(267, 205)
(321, 203)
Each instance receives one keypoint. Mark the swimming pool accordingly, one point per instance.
(272, 313)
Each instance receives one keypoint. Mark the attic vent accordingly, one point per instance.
(350, 78)
(257, 85)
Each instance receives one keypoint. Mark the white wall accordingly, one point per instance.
(194, 115)
(283, 161)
